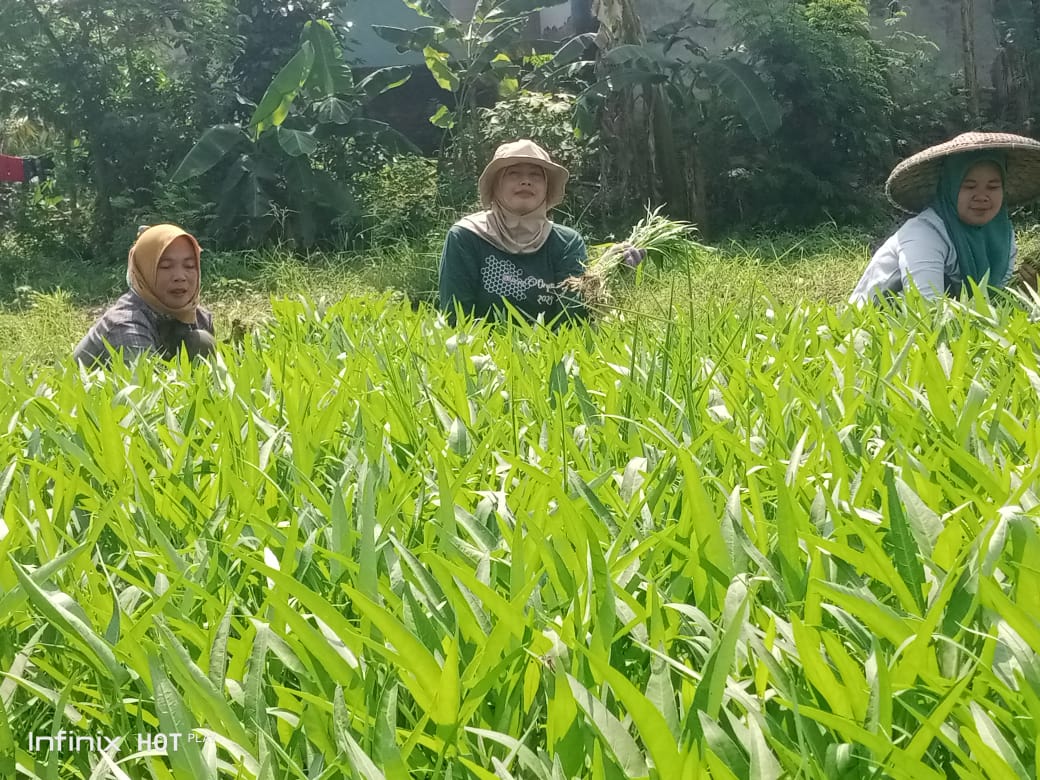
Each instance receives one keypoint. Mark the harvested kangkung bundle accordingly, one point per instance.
(655, 237)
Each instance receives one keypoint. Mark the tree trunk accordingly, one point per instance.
(666, 159)
(104, 215)
(971, 77)
(639, 124)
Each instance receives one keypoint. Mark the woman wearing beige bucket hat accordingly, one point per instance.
(961, 234)
(160, 312)
(512, 251)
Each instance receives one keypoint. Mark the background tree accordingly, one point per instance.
(119, 83)
(971, 75)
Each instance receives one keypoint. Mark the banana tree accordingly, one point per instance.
(271, 173)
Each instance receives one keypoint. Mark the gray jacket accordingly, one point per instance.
(131, 325)
(920, 251)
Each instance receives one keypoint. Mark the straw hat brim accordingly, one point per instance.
(556, 177)
(912, 184)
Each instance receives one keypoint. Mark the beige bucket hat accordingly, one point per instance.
(524, 151)
(911, 185)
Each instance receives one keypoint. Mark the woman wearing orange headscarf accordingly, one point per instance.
(160, 312)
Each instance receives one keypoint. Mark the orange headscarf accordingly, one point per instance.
(143, 265)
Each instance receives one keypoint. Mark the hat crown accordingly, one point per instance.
(522, 149)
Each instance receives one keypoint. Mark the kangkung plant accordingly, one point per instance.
(768, 541)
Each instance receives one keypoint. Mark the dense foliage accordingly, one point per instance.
(771, 112)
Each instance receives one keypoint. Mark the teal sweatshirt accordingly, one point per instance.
(478, 276)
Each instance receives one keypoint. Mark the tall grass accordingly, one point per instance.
(793, 543)
(238, 286)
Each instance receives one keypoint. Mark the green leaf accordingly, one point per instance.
(904, 548)
(334, 111)
(409, 40)
(613, 734)
(253, 685)
(924, 523)
(387, 753)
(218, 654)
(438, 63)
(434, 9)
(54, 606)
(358, 759)
(329, 74)
(764, 765)
(384, 80)
(420, 670)
(276, 102)
(877, 617)
(296, 143)
(817, 670)
(739, 82)
(443, 118)
(708, 697)
(7, 748)
(208, 700)
(650, 723)
(991, 737)
(186, 761)
(518, 8)
(15, 597)
(214, 145)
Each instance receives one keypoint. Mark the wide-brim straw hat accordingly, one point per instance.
(524, 151)
(912, 184)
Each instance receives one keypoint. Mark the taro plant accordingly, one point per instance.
(270, 177)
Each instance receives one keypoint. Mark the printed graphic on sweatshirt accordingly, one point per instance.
(502, 277)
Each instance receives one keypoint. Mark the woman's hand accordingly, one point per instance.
(632, 256)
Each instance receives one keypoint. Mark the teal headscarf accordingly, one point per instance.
(981, 249)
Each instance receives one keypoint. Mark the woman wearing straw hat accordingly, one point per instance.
(160, 312)
(961, 235)
(512, 251)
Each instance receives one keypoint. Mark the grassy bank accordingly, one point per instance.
(47, 305)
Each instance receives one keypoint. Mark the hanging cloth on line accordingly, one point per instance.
(22, 169)
(12, 168)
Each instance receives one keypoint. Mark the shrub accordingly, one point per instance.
(853, 106)
(401, 200)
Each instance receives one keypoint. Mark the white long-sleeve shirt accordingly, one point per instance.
(921, 253)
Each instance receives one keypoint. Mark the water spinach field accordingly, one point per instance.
(747, 541)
